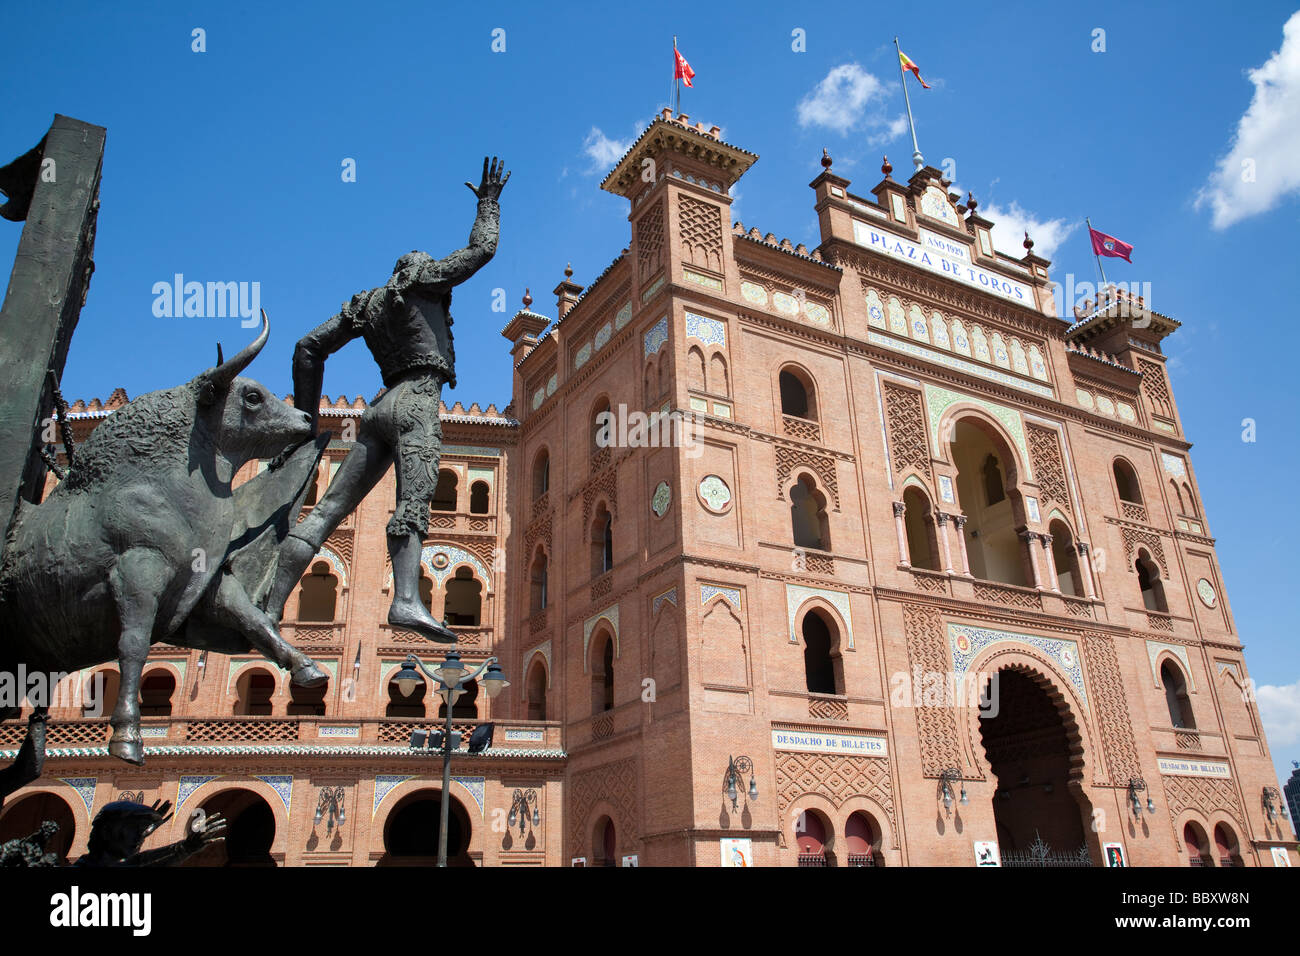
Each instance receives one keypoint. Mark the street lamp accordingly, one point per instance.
(524, 799)
(330, 802)
(451, 676)
(736, 768)
(1135, 786)
(945, 787)
(1273, 805)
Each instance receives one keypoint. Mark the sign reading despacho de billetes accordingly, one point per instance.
(856, 745)
(1172, 767)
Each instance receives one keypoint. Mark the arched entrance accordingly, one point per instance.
(411, 832)
(24, 817)
(250, 830)
(1040, 812)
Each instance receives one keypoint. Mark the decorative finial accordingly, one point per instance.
(971, 204)
(528, 298)
(826, 159)
(1028, 243)
(885, 166)
(568, 271)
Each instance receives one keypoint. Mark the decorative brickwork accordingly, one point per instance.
(800, 428)
(1011, 596)
(1049, 470)
(701, 232)
(823, 466)
(908, 447)
(650, 241)
(1135, 538)
(614, 784)
(1206, 795)
(936, 726)
(1110, 708)
(835, 777)
(1155, 388)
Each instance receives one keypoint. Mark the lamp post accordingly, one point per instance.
(945, 787)
(737, 767)
(519, 807)
(449, 678)
(1137, 785)
(330, 802)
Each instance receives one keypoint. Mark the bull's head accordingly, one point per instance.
(249, 421)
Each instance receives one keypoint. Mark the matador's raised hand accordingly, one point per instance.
(493, 182)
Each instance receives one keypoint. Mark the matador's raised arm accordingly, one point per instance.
(312, 349)
(463, 263)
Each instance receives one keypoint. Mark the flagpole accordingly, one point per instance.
(1100, 267)
(917, 160)
(677, 80)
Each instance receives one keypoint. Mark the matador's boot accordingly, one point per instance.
(407, 611)
(290, 565)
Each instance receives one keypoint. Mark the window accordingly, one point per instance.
(602, 673)
(101, 694)
(1066, 558)
(1225, 845)
(466, 706)
(986, 491)
(1176, 699)
(1188, 501)
(406, 705)
(995, 488)
(921, 543)
(808, 521)
(156, 693)
(538, 583)
(306, 701)
(537, 691)
(541, 474)
(312, 490)
(797, 395)
(1126, 482)
(444, 496)
(601, 427)
(255, 689)
(464, 599)
(318, 597)
(862, 836)
(602, 541)
(478, 498)
(818, 665)
(1198, 848)
(1153, 591)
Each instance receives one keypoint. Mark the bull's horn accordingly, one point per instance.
(223, 374)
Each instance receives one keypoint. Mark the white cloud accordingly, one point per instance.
(603, 151)
(846, 99)
(1263, 163)
(896, 128)
(1279, 708)
(1011, 224)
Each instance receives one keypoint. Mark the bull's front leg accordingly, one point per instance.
(137, 579)
(235, 609)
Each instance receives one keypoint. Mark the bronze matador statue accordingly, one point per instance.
(406, 324)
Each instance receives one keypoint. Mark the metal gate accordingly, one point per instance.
(1040, 853)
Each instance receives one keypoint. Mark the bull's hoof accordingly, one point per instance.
(308, 675)
(132, 751)
(416, 617)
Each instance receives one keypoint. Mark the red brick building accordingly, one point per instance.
(916, 568)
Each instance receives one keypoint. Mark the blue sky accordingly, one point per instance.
(226, 165)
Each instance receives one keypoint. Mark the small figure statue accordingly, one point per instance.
(121, 828)
(406, 324)
(30, 850)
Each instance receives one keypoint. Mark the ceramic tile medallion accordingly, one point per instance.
(656, 336)
(1205, 591)
(1031, 507)
(715, 494)
(709, 331)
(663, 497)
(945, 488)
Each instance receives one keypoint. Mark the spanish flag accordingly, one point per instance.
(911, 67)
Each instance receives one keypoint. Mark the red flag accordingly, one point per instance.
(908, 65)
(682, 70)
(1104, 245)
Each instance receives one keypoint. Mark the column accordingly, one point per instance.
(1030, 537)
(1052, 582)
(904, 557)
(1085, 571)
(942, 520)
(959, 522)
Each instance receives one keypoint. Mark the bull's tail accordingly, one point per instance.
(30, 762)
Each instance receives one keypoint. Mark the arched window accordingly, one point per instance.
(406, 705)
(537, 691)
(718, 375)
(538, 582)
(808, 520)
(1153, 590)
(1178, 497)
(255, 687)
(444, 496)
(602, 541)
(695, 369)
(986, 491)
(464, 599)
(1225, 845)
(1189, 501)
(312, 490)
(1066, 558)
(665, 377)
(1198, 848)
(862, 836)
(478, 498)
(100, 693)
(1126, 482)
(318, 599)
(798, 396)
(819, 666)
(466, 706)
(156, 691)
(921, 539)
(541, 474)
(810, 831)
(307, 701)
(426, 592)
(1176, 699)
(602, 427)
(602, 673)
(651, 384)
(604, 843)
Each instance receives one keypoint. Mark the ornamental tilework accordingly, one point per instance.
(85, 787)
(709, 591)
(961, 365)
(186, 786)
(583, 356)
(967, 642)
(282, 784)
(544, 649)
(709, 331)
(339, 732)
(796, 595)
(476, 787)
(1179, 651)
(386, 783)
(603, 336)
(656, 336)
(335, 562)
(551, 384)
(624, 316)
(940, 400)
(448, 556)
(669, 596)
(1173, 465)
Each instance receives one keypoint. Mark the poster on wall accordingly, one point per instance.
(1114, 853)
(1279, 856)
(737, 852)
(986, 853)
(579, 861)
(631, 860)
